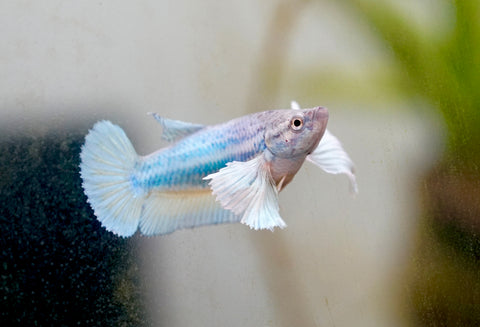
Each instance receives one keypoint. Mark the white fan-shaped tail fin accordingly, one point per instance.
(166, 212)
(332, 158)
(107, 161)
(247, 189)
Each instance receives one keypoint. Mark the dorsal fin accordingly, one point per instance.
(175, 129)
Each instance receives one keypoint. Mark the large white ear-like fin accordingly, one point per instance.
(332, 158)
(294, 105)
(247, 189)
(175, 129)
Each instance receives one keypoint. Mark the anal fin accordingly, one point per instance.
(166, 212)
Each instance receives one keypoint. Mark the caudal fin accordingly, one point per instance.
(107, 161)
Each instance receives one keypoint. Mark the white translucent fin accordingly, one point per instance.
(175, 129)
(332, 158)
(107, 161)
(165, 212)
(247, 189)
(294, 105)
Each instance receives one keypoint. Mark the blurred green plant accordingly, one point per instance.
(442, 66)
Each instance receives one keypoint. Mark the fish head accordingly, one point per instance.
(296, 133)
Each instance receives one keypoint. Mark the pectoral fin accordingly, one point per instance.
(247, 189)
(175, 129)
(332, 158)
(294, 105)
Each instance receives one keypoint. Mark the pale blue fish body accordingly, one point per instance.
(184, 164)
(230, 172)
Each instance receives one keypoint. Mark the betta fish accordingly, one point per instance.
(229, 172)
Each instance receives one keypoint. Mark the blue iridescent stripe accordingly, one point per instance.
(184, 164)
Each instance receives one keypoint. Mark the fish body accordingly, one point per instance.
(185, 163)
(208, 174)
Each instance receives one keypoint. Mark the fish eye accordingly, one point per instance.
(296, 123)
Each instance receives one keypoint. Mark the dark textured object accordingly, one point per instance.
(58, 265)
(445, 268)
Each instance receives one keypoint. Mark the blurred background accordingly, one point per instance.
(401, 81)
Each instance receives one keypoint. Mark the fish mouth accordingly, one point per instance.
(320, 120)
(320, 114)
